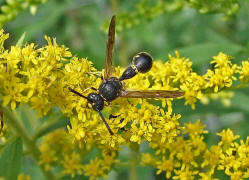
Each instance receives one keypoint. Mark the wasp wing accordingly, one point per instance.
(109, 49)
(151, 94)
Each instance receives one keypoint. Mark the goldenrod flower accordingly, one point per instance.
(212, 157)
(195, 129)
(72, 164)
(223, 73)
(207, 176)
(244, 72)
(23, 177)
(96, 168)
(185, 174)
(166, 165)
(41, 77)
(227, 137)
(147, 159)
(236, 175)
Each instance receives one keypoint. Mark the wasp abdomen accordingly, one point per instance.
(128, 73)
(143, 62)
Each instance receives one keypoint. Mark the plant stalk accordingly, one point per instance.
(14, 123)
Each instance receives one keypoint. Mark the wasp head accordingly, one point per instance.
(96, 101)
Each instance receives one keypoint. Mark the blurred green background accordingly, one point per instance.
(79, 24)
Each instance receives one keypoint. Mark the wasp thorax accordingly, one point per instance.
(143, 62)
(96, 101)
(110, 89)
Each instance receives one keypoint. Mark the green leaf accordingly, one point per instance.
(20, 40)
(28, 117)
(201, 54)
(232, 118)
(10, 160)
(240, 101)
(61, 122)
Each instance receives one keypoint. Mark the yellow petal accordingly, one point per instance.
(6, 100)
(13, 105)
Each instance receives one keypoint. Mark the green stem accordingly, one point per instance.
(49, 127)
(18, 129)
(114, 5)
(122, 164)
(123, 55)
(133, 172)
(10, 139)
(240, 86)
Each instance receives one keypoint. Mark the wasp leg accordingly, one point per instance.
(2, 126)
(92, 88)
(95, 73)
(77, 93)
(106, 124)
(98, 74)
(113, 116)
(107, 103)
(129, 102)
(121, 120)
(1, 120)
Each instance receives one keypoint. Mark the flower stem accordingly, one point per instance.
(240, 86)
(133, 173)
(17, 128)
(49, 127)
(114, 5)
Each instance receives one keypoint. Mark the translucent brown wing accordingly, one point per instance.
(109, 49)
(151, 94)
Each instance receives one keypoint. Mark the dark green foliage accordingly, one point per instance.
(10, 160)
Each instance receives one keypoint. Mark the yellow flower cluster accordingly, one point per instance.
(27, 74)
(11, 8)
(224, 96)
(23, 177)
(144, 9)
(223, 73)
(41, 77)
(100, 167)
(244, 72)
(57, 149)
(190, 158)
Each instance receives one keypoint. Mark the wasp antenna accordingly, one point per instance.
(77, 93)
(2, 125)
(107, 126)
(1, 120)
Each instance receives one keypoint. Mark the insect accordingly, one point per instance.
(1, 120)
(112, 88)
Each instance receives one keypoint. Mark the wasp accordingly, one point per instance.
(1, 120)
(112, 87)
